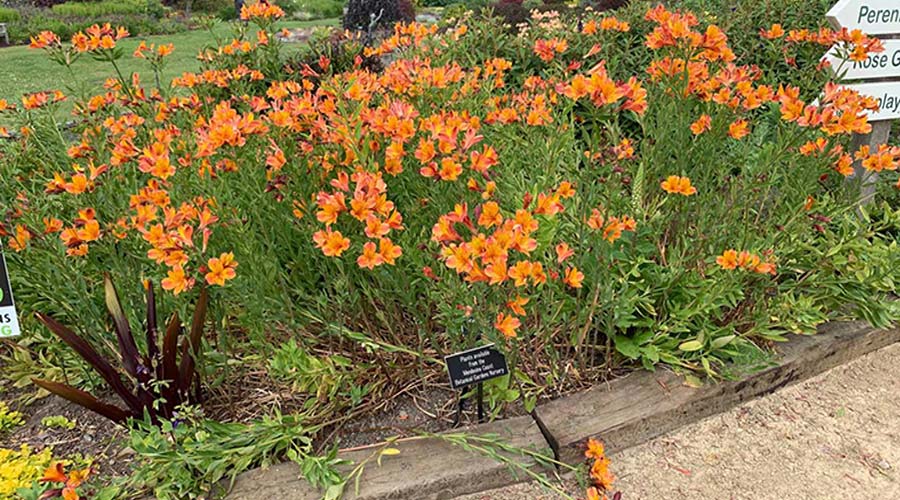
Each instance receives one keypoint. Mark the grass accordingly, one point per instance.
(28, 70)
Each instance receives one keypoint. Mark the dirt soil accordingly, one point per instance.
(834, 436)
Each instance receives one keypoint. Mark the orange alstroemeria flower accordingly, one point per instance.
(702, 124)
(678, 185)
(573, 277)
(507, 325)
(738, 129)
(221, 269)
(332, 243)
(177, 281)
(56, 474)
(728, 260)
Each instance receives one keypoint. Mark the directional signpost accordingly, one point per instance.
(875, 18)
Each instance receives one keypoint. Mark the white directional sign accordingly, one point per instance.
(873, 17)
(888, 96)
(880, 65)
(9, 322)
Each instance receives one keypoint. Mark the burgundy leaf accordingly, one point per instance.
(109, 374)
(79, 397)
(127, 347)
(191, 349)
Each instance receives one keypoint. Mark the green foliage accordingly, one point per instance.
(8, 14)
(58, 422)
(9, 419)
(318, 9)
(189, 458)
(322, 376)
(100, 10)
(65, 26)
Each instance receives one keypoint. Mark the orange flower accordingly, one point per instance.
(490, 215)
(520, 272)
(702, 124)
(56, 474)
(332, 243)
(221, 269)
(573, 277)
(738, 129)
(624, 149)
(776, 31)
(20, 241)
(507, 325)
(516, 305)
(563, 252)
(595, 449)
(728, 260)
(594, 494)
(389, 251)
(177, 281)
(52, 225)
(370, 258)
(678, 185)
(602, 477)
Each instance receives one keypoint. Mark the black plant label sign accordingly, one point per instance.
(475, 365)
(9, 322)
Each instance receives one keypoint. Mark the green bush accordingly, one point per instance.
(137, 24)
(8, 15)
(318, 9)
(98, 10)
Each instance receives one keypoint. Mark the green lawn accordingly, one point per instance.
(28, 70)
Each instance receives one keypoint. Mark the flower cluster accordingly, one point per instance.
(601, 477)
(731, 260)
(70, 482)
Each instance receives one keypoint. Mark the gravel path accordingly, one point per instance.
(834, 436)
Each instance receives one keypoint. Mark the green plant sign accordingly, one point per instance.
(9, 321)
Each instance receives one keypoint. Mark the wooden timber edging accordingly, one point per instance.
(624, 413)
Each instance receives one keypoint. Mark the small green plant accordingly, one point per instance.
(162, 378)
(9, 419)
(291, 363)
(192, 457)
(58, 422)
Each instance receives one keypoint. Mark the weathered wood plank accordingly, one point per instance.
(427, 469)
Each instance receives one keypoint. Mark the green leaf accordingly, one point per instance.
(722, 341)
(690, 346)
(627, 347)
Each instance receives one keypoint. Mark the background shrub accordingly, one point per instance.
(8, 15)
(140, 17)
(107, 7)
(318, 9)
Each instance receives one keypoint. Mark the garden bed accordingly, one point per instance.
(271, 257)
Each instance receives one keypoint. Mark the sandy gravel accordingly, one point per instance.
(836, 436)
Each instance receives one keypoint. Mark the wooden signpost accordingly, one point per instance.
(9, 321)
(880, 72)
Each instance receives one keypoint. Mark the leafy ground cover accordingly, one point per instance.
(593, 193)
